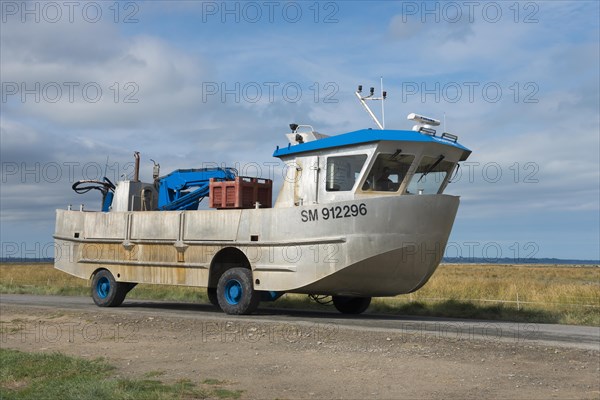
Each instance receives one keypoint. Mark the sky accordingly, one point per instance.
(192, 84)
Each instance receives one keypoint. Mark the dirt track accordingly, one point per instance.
(304, 360)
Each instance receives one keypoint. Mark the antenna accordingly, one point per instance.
(444, 122)
(382, 104)
(106, 166)
(370, 97)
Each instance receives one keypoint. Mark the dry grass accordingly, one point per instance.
(546, 284)
(38, 278)
(545, 293)
(42, 278)
(540, 293)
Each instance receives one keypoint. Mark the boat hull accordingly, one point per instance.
(374, 246)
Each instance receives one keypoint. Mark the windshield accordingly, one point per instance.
(343, 171)
(388, 172)
(430, 175)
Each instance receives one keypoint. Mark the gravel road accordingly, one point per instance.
(305, 354)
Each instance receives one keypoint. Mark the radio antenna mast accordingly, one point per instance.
(362, 99)
(382, 104)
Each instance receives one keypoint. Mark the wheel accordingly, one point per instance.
(212, 296)
(107, 292)
(351, 305)
(235, 292)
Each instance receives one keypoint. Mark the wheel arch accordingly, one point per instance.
(229, 257)
(93, 274)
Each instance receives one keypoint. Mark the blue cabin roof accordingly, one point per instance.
(365, 136)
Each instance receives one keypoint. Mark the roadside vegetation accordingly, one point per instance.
(528, 293)
(524, 293)
(57, 376)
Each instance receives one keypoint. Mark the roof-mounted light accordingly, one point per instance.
(428, 131)
(302, 134)
(450, 137)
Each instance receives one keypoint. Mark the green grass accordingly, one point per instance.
(227, 394)
(56, 376)
(213, 382)
(154, 374)
(550, 294)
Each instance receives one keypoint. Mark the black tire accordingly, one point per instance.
(351, 305)
(212, 296)
(235, 292)
(107, 292)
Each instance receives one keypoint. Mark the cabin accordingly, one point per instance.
(327, 169)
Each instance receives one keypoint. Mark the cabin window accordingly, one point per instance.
(388, 172)
(430, 175)
(343, 171)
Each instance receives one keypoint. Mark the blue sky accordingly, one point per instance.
(192, 83)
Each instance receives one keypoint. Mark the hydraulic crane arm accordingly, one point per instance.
(183, 189)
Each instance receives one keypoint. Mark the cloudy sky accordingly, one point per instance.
(191, 84)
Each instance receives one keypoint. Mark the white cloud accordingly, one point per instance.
(173, 124)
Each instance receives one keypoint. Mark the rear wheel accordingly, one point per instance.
(351, 305)
(107, 292)
(235, 292)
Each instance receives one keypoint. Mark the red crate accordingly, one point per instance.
(243, 192)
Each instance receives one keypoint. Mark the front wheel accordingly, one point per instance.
(107, 292)
(351, 305)
(235, 292)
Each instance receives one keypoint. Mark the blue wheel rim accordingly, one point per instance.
(103, 287)
(233, 291)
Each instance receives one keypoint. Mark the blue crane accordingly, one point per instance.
(173, 188)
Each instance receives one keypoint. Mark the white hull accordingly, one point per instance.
(375, 246)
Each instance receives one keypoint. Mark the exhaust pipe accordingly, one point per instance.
(136, 172)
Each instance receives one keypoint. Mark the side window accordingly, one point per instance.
(429, 176)
(343, 171)
(388, 172)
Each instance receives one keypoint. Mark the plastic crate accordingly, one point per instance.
(243, 192)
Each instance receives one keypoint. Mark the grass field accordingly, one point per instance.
(56, 376)
(551, 294)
